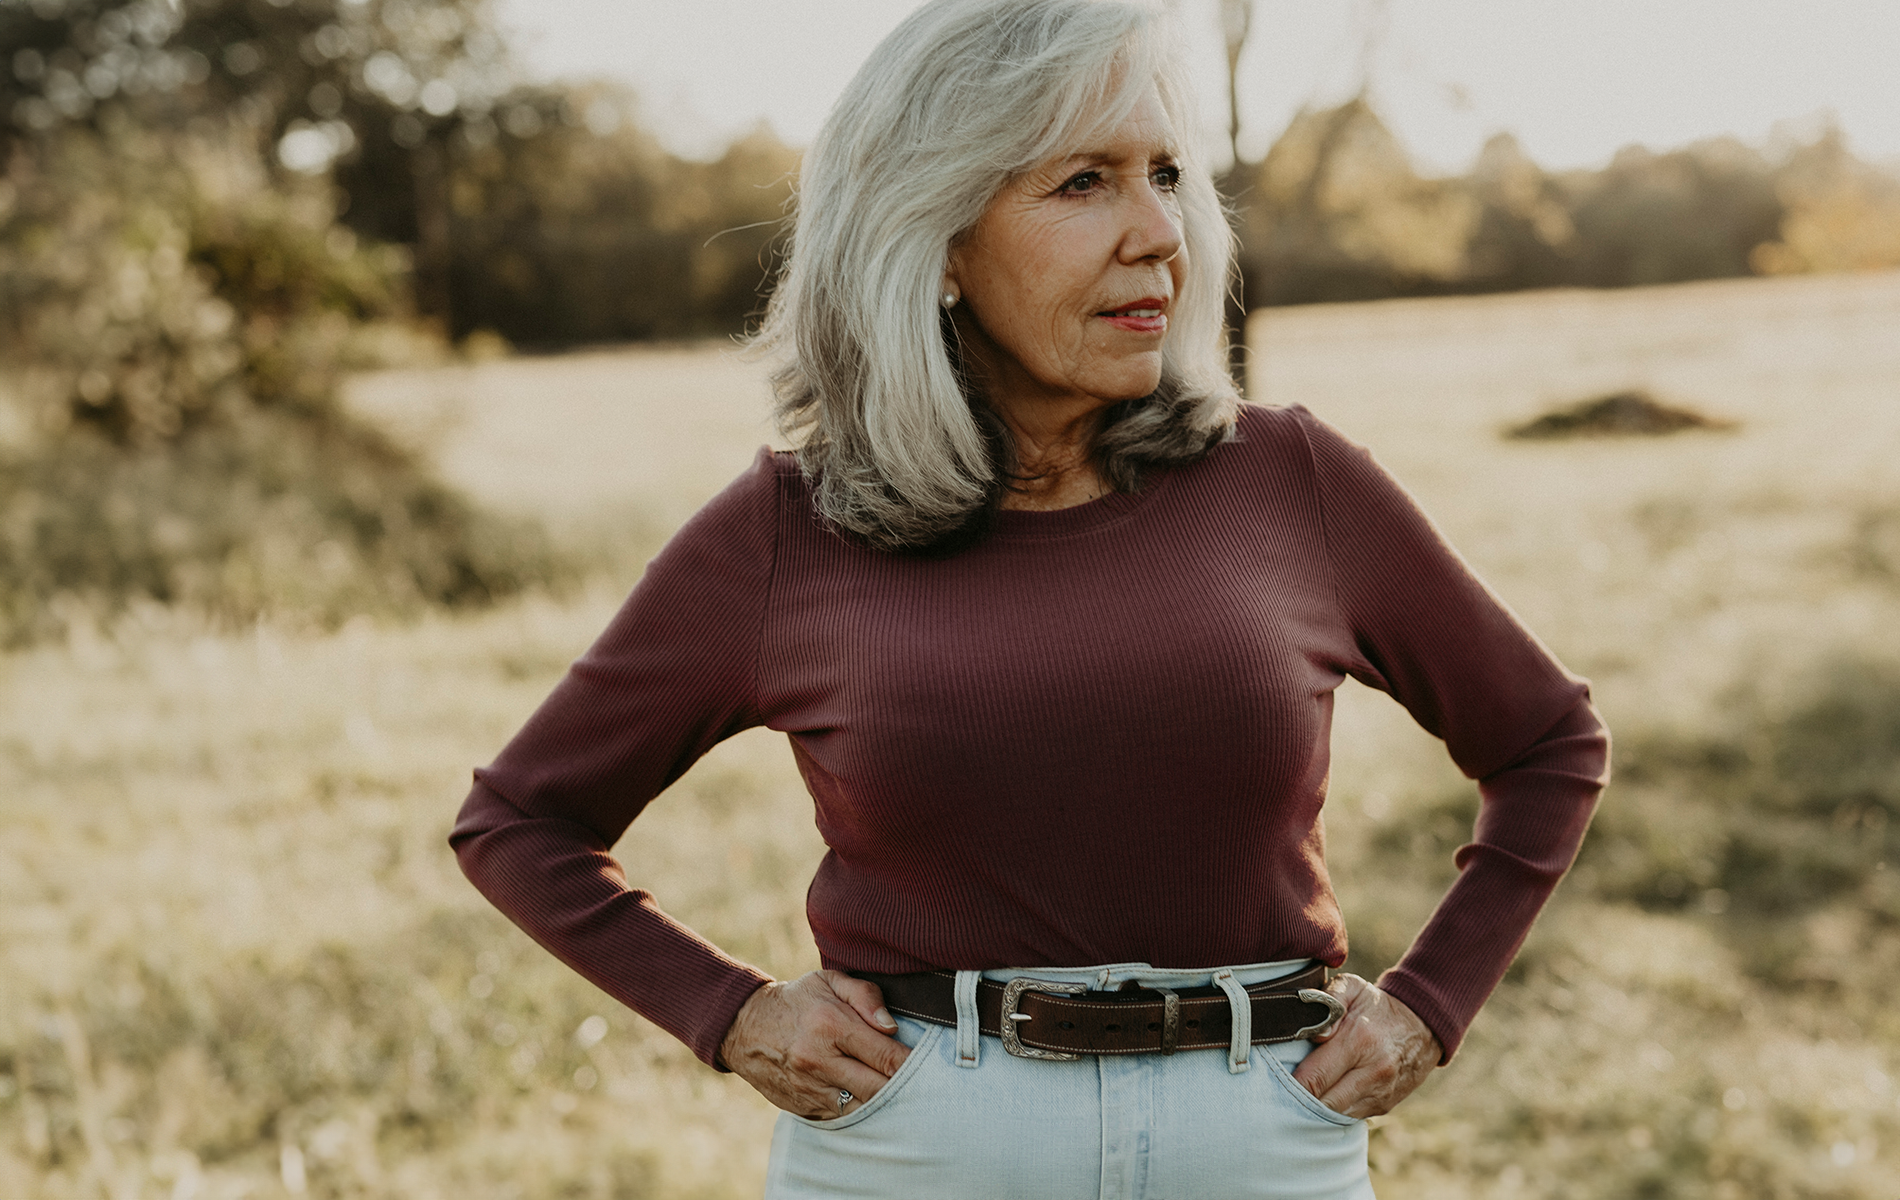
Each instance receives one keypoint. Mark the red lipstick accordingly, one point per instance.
(1146, 315)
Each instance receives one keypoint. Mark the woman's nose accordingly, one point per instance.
(1154, 227)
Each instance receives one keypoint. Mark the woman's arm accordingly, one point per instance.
(554, 878)
(671, 676)
(1428, 632)
(1530, 823)
(1387, 1044)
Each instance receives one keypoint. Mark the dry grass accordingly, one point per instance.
(236, 958)
(230, 925)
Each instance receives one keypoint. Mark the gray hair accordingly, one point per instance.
(961, 97)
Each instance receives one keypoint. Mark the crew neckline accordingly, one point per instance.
(1077, 518)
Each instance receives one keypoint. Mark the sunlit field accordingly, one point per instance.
(239, 961)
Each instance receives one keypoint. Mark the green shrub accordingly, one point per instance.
(174, 329)
(277, 512)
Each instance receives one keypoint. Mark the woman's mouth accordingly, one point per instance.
(1147, 315)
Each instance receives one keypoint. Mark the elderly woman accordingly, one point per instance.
(1053, 623)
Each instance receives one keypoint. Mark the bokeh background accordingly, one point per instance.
(356, 354)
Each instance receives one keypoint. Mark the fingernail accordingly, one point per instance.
(883, 1017)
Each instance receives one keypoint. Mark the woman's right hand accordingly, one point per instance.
(800, 1043)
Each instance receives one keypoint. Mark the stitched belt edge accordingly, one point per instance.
(1121, 1022)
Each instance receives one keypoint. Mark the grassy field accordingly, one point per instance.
(237, 960)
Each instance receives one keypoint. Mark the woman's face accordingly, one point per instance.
(1069, 277)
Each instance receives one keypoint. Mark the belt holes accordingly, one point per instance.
(1112, 1028)
(1153, 1025)
(1193, 1024)
(1065, 1024)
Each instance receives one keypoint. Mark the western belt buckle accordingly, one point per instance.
(1012, 996)
(1335, 1012)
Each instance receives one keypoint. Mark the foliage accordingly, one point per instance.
(175, 330)
(314, 79)
(1842, 215)
(544, 214)
(1337, 211)
(1694, 213)
(585, 233)
(541, 213)
(271, 513)
(156, 285)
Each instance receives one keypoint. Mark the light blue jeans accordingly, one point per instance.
(964, 1120)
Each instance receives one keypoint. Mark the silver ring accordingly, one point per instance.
(844, 1098)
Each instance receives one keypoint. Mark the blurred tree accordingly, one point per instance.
(153, 284)
(1236, 25)
(177, 304)
(1842, 215)
(1524, 236)
(172, 333)
(1339, 213)
(377, 86)
(1695, 213)
(544, 213)
(1236, 19)
(529, 210)
(1336, 211)
(585, 230)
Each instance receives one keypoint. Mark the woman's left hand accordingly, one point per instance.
(1374, 1057)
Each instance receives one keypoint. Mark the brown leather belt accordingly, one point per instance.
(1039, 1019)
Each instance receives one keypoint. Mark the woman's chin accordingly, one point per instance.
(1132, 388)
(1125, 378)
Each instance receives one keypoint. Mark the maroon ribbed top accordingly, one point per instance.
(1099, 735)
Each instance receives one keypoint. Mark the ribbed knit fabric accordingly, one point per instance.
(1099, 735)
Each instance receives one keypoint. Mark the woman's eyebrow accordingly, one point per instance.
(1164, 153)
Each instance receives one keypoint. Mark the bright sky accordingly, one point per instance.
(1574, 79)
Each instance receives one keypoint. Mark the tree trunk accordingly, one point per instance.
(434, 250)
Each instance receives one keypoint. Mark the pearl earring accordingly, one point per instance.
(948, 299)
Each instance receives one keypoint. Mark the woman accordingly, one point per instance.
(1053, 623)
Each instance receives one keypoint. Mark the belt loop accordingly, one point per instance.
(969, 1029)
(1170, 1018)
(1239, 1022)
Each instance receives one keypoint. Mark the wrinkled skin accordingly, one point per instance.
(1374, 1058)
(798, 1043)
(1060, 245)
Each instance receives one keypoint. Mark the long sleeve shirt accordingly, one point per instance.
(1100, 734)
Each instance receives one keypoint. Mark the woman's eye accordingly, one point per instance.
(1167, 178)
(1086, 182)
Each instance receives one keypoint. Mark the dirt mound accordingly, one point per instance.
(1620, 414)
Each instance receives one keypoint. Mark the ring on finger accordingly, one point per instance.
(844, 1098)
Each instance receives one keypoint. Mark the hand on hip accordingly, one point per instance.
(802, 1043)
(1377, 1054)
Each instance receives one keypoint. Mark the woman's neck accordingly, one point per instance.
(1044, 493)
(1055, 465)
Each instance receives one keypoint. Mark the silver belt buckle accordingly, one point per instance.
(1335, 1013)
(1013, 994)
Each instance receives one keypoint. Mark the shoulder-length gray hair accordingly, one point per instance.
(960, 98)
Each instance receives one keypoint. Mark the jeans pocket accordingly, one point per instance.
(1294, 1091)
(921, 1051)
